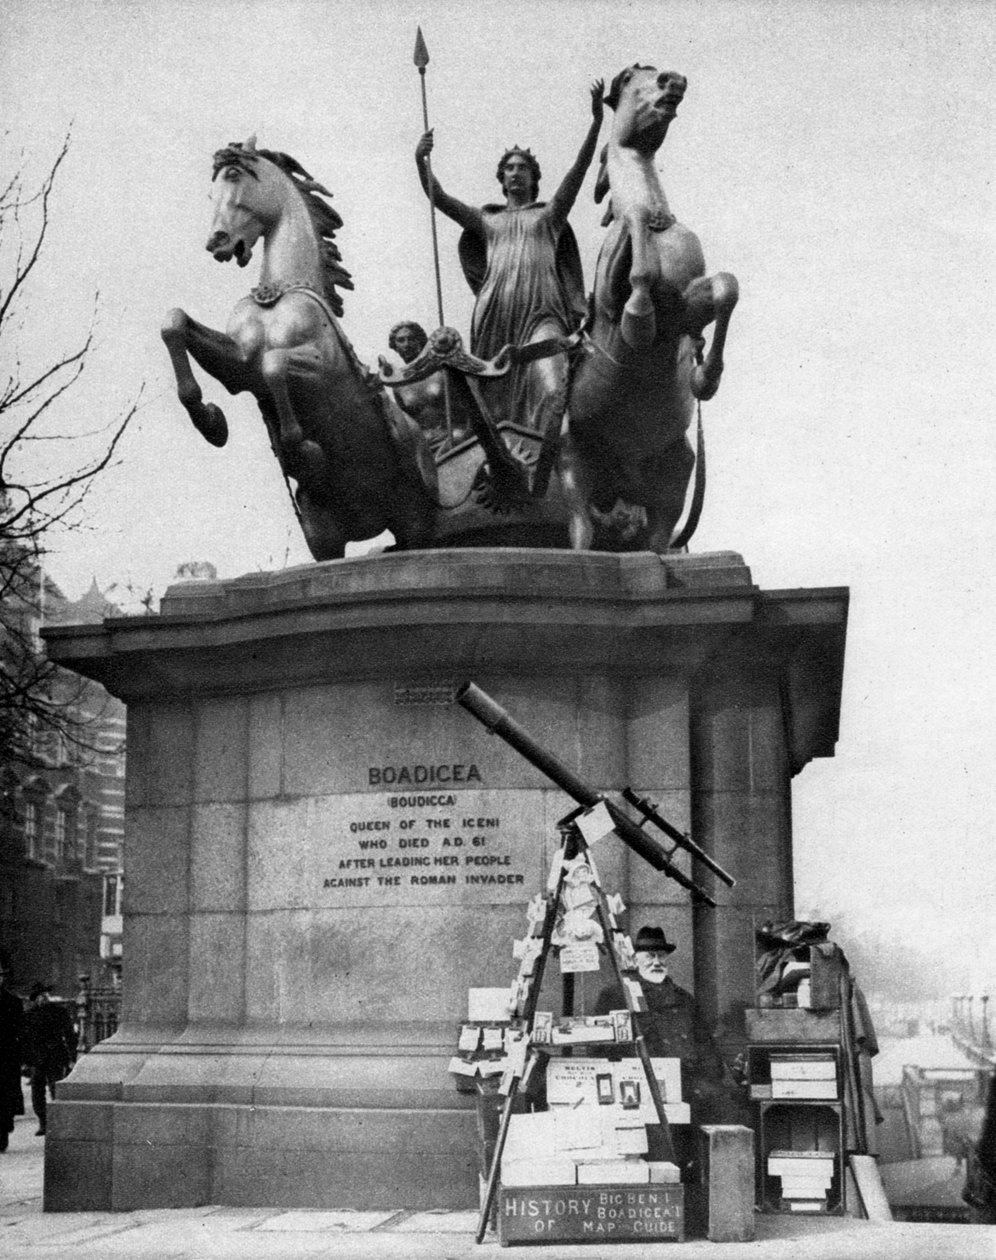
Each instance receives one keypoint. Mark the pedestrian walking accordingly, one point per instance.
(11, 1034)
(49, 1048)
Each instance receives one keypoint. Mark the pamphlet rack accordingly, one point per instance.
(573, 849)
(595, 817)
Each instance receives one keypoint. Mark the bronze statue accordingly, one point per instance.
(633, 393)
(360, 463)
(459, 447)
(521, 260)
(425, 399)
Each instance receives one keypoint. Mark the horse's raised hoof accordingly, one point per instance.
(209, 420)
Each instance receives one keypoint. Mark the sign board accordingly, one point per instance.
(581, 1214)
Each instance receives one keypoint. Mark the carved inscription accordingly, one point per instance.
(429, 838)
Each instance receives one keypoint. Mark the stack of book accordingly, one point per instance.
(569, 1146)
(803, 1076)
(806, 1177)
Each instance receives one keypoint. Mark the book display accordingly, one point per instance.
(586, 1154)
(809, 1043)
(796, 1087)
(593, 1133)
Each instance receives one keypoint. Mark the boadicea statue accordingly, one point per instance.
(573, 432)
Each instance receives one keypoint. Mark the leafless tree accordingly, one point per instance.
(38, 491)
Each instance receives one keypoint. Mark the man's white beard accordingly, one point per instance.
(654, 975)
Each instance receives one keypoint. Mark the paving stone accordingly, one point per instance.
(441, 1222)
(315, 1221)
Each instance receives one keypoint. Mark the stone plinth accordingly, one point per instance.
(323, 851)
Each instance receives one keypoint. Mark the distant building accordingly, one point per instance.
(62, 828)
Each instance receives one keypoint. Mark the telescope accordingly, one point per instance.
(493, 716)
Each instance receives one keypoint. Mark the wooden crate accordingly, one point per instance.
(591, 1214)
(792, 1025)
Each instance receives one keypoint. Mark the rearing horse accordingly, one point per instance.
(360, 463)
(634, 392)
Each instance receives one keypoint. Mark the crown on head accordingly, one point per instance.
(516, 151)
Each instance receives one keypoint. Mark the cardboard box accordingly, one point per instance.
(818, 1177)
(552, 1134)
(631, 1140)
(805, 1164)
(597, 1154)
(538, 1172)
(617, 1171)
(787, 1025)
(813, 1067)
(663, 1173)
(803, 1089)
(804, 1187)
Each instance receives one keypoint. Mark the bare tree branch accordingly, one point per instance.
(37, 699)
(24, 269)
(23, 393)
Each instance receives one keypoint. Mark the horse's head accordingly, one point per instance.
(246, 200)
(254, 191)
(645, 100)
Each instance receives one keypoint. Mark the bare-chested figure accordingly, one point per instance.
(425, 401)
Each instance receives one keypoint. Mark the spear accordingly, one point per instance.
(421, 59)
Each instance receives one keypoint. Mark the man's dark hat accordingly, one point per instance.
(37, 989)
(653, 938)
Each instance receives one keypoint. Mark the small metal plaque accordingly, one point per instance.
(582, 1214)
(436, 693)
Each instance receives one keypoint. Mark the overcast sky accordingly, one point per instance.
(837, 157)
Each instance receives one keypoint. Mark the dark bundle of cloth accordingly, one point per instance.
(790, 941)
(782, 943)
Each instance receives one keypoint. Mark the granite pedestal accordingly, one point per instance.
(323, 851)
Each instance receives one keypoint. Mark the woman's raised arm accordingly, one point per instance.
(466, 216)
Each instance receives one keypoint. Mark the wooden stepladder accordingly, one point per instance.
(573, 864)
(596, 816)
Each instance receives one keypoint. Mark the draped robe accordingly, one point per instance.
(526, 273)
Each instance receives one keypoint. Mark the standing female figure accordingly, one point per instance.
(521, 260)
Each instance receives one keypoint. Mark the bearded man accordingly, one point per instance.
(673, 1027)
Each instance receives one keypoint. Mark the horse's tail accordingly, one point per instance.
(681, 539)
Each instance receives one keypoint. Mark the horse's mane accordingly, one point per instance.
(326, 220)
